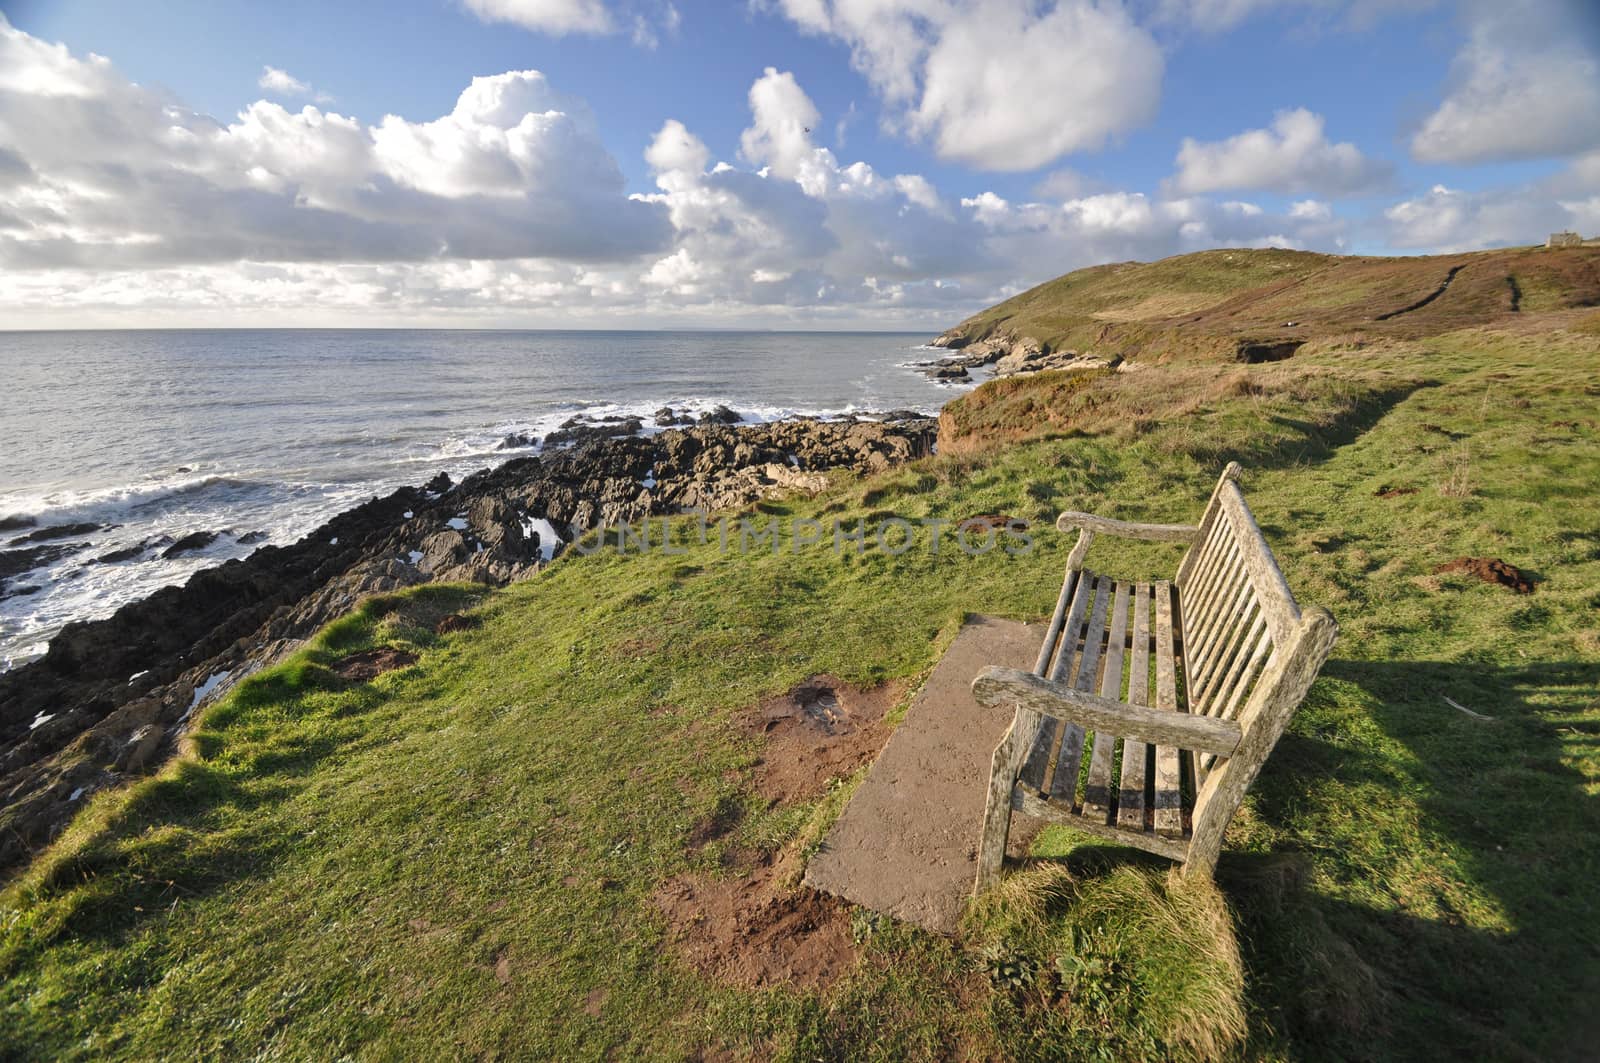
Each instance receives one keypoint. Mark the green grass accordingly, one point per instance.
(457, 859)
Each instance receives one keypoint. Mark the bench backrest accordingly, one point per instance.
(1235, 607)
(1249, 651)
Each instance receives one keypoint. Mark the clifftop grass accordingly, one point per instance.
(457, 859)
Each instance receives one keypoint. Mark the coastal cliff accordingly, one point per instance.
(1251, 306)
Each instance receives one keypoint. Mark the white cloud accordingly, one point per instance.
(1294, 155)
(120, 177)
(508, 211)
(780, 135)
(1449, 219)
(556, 17)
(282, 82)
(1525, 85)
(1004, 85)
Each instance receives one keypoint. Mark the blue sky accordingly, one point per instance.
(1002, 143)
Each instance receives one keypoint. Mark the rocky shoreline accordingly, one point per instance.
(112, 698)
(1003, 354)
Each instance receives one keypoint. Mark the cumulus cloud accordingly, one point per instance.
(1450, 219)
(1526, 84)
(556, 17)
(1116, 226)
(118, 176)
(808, 231)
(953, 74)
(117, 201)
(1294, 155)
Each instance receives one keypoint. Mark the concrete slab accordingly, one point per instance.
(907, 842)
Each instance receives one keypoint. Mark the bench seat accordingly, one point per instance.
(1153, 704)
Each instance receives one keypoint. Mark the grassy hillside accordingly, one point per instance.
(462, 857)
(1202, 304)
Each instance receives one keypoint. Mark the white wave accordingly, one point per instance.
(103, 505)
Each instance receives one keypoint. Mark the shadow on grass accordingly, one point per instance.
(1502, 803)
(1298, 440)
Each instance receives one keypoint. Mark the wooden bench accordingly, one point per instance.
(1185, 683)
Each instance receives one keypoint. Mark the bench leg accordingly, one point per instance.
(997, 813)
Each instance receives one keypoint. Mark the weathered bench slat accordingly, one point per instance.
(1064, 783)
(1228, 704)
(1045, 730)
(1042, 729)
(1130, 795)
(1261, 661)
(1231, 655)
(1127, 529)
(1214, 694)
(1168, 793)
(1052, 634)
(1200, 668)
(1283, 615)
(1202, 613)
(1097, 789)
(1209, 569)
(1029, 805)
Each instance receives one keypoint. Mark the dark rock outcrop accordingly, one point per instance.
(25, 559)
(188, 544)
(60, 531)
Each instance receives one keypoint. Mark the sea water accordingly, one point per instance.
(262, 435)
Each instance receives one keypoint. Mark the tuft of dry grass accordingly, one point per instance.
(1457, 481)
(1130, 963)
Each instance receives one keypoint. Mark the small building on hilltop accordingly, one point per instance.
(1567, 239)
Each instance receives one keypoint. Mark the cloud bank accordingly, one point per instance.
(118, 205)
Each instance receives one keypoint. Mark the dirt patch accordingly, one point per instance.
(368, 664)
(821, 729)
(751, 931)
(1394, 492)
(595, 1002)
(993, 522)
(454, 622)
(1254, 352)
(1490, 570)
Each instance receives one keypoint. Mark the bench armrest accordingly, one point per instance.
(1174, 533)
(1203, 734)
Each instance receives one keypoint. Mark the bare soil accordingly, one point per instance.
(822, 729)
(748, 929)
(1490, 570)
(369, 664)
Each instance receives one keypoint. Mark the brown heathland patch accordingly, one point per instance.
(454, 622)
(822, 729)
(368, 664)
(1490, 570)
